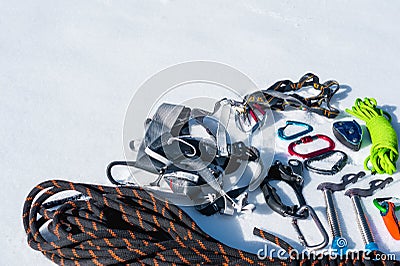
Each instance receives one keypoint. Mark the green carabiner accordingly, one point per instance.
(383, 207)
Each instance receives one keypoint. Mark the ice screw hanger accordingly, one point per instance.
(388, 208)
(281, 131)
(339, 243)
(355, 194)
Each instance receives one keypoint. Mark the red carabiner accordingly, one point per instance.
(308, 139)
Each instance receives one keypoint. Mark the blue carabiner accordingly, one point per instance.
(281, 131)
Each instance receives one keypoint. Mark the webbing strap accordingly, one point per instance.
(127, 225)
(278, 96)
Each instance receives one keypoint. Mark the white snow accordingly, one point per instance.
(68, 70)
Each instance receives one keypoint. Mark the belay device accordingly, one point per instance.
(349, 133)
(192, 152)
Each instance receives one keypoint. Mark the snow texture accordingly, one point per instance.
(68, 70)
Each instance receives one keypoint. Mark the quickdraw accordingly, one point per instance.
(308, 139)
(336, 168)
(282, 135)
(291, 174)
(278, 96)
(388, 208)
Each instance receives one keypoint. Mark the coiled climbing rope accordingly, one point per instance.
(129, 226)
(384, 150)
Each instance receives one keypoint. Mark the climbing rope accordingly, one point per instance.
(103, 225)
(384, 150)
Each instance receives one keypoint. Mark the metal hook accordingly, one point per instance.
(317, 221)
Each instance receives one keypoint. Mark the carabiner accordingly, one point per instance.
(281, 131)
(387, 208)
(336, 168)
(317, 221)
(308, 139)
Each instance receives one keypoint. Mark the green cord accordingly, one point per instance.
(384, 150)
(383, 207)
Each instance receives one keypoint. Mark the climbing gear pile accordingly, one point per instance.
(384, 150)
(130, 226)
(199, 157)
(190, 165)
(349, 133)
(388, 208)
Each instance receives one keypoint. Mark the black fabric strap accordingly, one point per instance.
(283, 93)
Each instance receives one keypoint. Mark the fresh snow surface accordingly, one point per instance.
(68, 70)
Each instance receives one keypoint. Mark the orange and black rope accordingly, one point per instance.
(129, 226)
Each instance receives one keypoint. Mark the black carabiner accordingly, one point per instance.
(336, 168)
(291, 175)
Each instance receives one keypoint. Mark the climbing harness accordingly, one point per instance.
(291, 174)
(387, 207)
(308, 139)
(282, 135)
(324, 157)
(384, 150)
(349, 133)
(130, 226)
(193, 166)
(355, 194)
(339, 243)
(279, 95)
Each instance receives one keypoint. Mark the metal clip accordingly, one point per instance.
(308, 139)
(281, 131)
(317, 221)
(337, 167)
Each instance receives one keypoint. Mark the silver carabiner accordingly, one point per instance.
(319, 225)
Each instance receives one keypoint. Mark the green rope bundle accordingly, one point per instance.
(384, 150)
